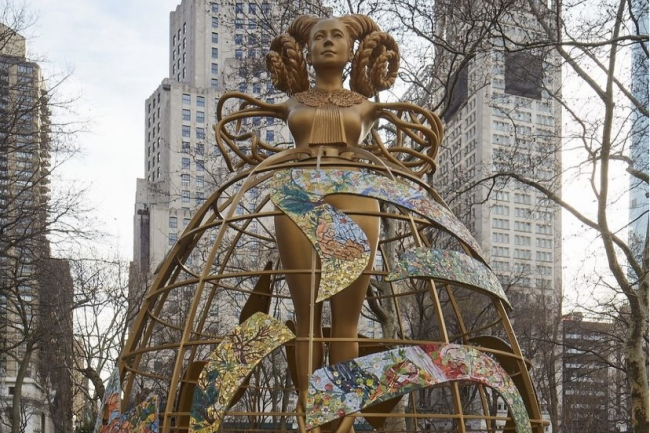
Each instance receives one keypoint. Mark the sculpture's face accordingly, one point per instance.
(329, 44)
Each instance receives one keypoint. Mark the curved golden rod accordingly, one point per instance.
(222, 135)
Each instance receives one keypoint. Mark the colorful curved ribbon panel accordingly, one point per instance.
(347, 387)
(230, 363)
(448, 266)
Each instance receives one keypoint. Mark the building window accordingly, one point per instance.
(173, 222)
(257, 89)
(214, 83)
(215, 22)
(521, 226)
(501, 210)
(215, 53)
(242, 87)
(270, 136)
(187, 115)
(252, 53)
(214, 69)
(252, 24)
(522, 254)
(187, 99)
(239, 24)
(266, 8)
(185, 163)
(185, 131)
(186, 222)
(252, 8)
(185, 196)
(200, 101)
(200, 117)
(239, 39)
(239, 54)
(523, 198)
(200, 165)
(200, 197)
(199, 182)
(185, 180)
(215, 38)
(200, 149)
(173, 237)
(239, 8)
(200, 133)
(502, 224)
(522, 240)
(185, 147)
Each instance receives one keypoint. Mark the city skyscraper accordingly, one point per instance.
(639, 134)
(502, 118)
(213, 48)
(35, 290)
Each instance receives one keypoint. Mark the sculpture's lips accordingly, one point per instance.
(328, 52)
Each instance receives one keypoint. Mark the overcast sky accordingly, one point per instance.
(117, 52)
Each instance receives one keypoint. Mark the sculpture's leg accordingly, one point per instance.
(296, 254)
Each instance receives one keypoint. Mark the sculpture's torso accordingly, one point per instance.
(342, 123)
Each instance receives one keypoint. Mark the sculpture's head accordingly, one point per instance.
(330, 44)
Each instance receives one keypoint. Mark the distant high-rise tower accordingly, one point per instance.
(639, 134)
(33, 287)
(502, 117)
(214, 47)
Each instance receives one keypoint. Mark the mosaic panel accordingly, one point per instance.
(347, 387)
(143, 418)
(111, 402)
(448, 266)
(323, 182)
(229, 365)
(341, 244)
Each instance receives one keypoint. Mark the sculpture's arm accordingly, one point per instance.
(227, 130)
(413, 135)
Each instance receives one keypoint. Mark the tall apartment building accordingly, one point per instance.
(594, 387)
(502, 117)
(29, 279)
(639, 133)
(213, 48)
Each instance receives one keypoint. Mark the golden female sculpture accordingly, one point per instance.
(326, 115)
(337, 173)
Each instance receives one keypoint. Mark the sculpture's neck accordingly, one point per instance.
(329, 80)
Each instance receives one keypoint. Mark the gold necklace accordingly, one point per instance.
(316, 97)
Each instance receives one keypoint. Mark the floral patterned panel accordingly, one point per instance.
(342, 246)
(141, 419)
(347, 387)
(327, 181)
(229, 365)
(111, 402)
(450, 266)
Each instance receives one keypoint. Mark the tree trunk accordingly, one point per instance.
(17, 407)
(637, 374)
